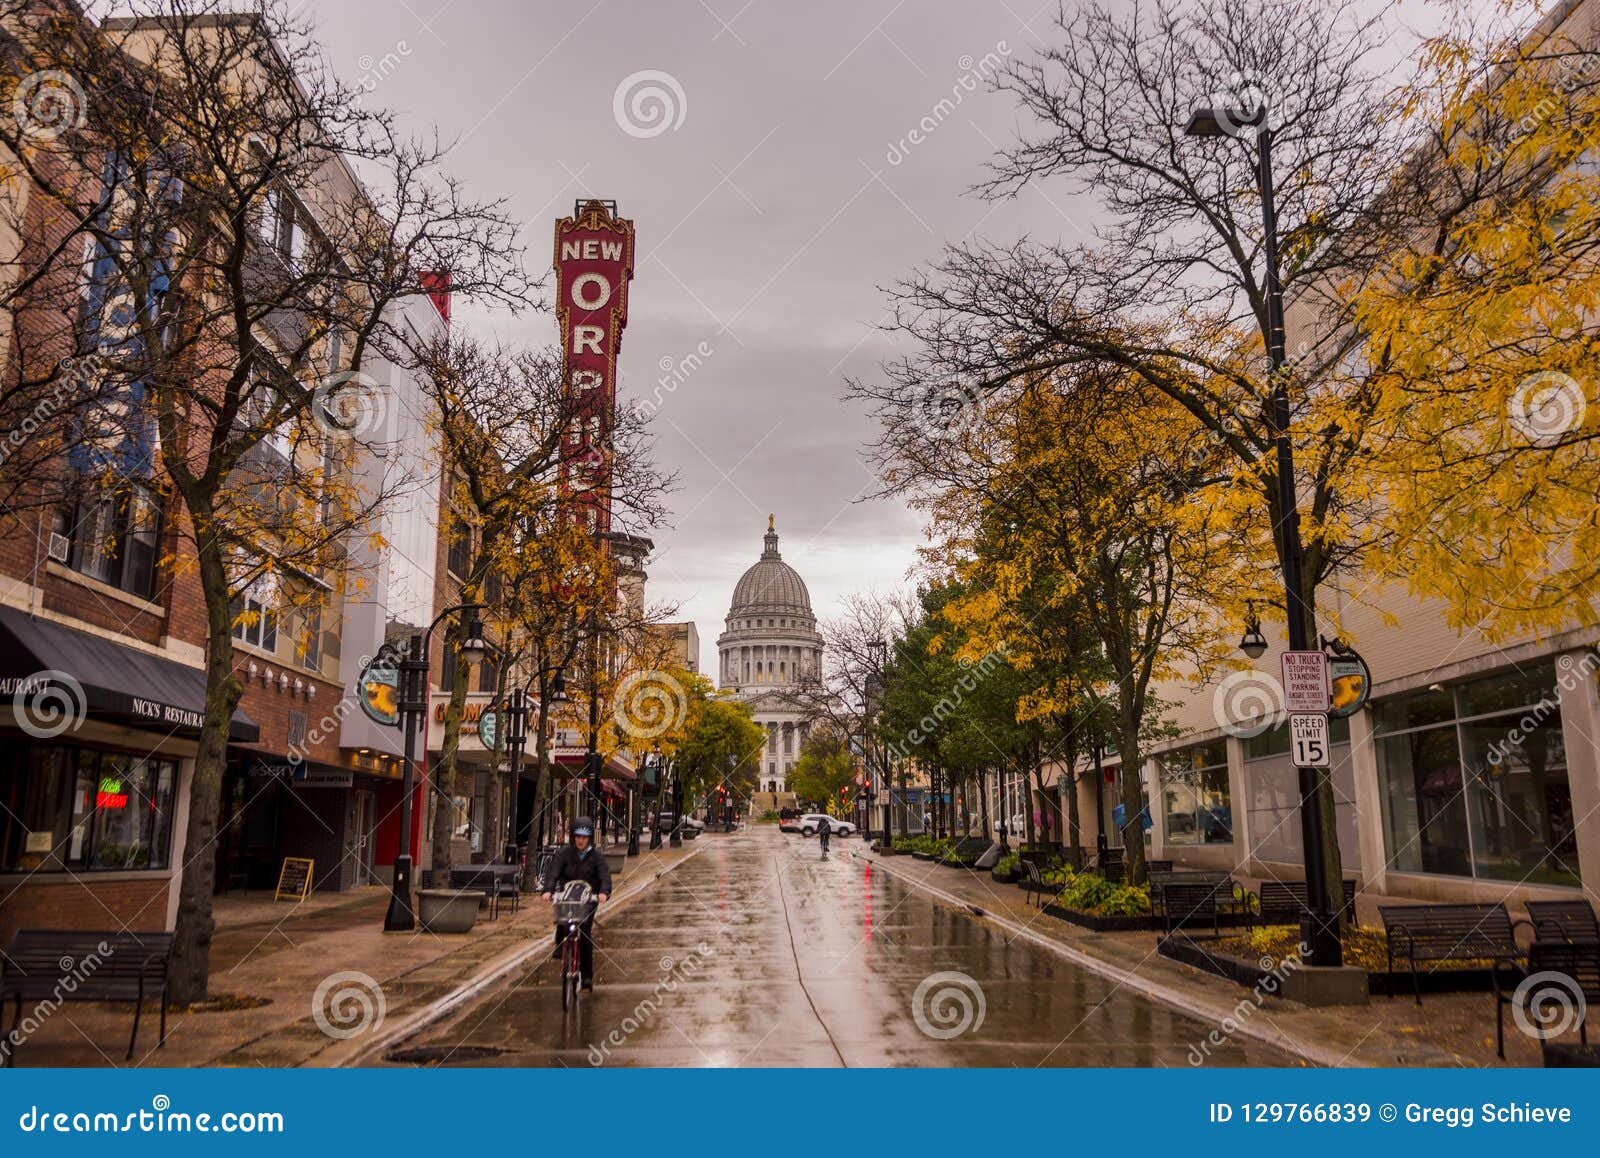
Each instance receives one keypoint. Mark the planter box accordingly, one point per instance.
(690, 833)
(1103, 924)
(1306, 984)
(1008, 877)
(923, 855)
(448, 910)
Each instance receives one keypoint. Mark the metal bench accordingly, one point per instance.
(1036, 885)
(41, 963)
(1563, 921)
(1579, 963)
(1192, 903)
(1161, 878)
(1284, 903)
(493, 881)
(1463, 932)
(968, 849)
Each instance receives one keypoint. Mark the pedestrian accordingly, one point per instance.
(581, 861)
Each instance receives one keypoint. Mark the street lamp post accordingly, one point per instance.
(516, 737)
(1319, 927)
(660, 793)
(414, 711)
(676, 840)
(878, 655)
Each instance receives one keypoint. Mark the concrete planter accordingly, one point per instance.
(448, 910)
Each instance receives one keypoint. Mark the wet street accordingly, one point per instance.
(758, 952)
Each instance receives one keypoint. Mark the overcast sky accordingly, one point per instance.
(772, 200)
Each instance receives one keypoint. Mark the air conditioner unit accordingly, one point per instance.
(60, 547)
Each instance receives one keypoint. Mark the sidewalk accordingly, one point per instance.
(375, 986)
(1448, 1029)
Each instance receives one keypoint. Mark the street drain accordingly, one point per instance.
(443, 1054)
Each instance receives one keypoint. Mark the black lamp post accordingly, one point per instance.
(414, 712)
(516, 737)
(660, 789)
(878, 656)
(676, 840)
(1319, 928)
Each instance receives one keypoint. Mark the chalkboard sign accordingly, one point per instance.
(294, 879)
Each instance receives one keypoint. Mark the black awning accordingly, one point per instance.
(119, 683)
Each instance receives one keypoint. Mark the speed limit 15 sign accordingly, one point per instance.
(1309, 744)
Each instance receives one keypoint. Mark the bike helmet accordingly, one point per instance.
(583, 827)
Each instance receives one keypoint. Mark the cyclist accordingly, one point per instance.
(581, 861)
(824, 830)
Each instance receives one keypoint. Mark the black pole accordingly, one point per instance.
(1100, 843)
(1319, 928)
(677, 809)
(400, 918)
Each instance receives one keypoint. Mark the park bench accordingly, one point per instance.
(1458, 932)
(1161, 878)
(1186, 902)
(1284, 902)
(100, 967)
(494, 881)
(1563, 921)
(1036, 885)
(1579, 962)
(968, 849)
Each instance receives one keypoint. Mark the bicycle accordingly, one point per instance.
(574, 905)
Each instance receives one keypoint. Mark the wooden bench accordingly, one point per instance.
(493, 881)
(1284, 902)
(1460, 932)
(100, 967)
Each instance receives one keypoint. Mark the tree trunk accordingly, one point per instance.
(983, 804)
(444, 777)
(191, 949)
(1132, 800)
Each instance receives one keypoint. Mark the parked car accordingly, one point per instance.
(789, 820)
(694, 823)
(810, 821)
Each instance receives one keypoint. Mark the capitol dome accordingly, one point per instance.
(771, 586)
(770, 656)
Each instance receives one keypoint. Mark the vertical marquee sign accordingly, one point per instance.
(594, 264)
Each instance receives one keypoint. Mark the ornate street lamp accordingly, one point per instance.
(413, 714)
(1320, 927)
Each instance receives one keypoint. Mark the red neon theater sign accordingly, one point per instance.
(594, 264)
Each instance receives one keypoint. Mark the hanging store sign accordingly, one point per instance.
(593, 265)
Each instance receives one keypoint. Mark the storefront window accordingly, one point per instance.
(81, 809)
(1486, 793)
(1194, 792)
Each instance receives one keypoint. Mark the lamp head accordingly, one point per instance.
(1254, 644)
(473, 648)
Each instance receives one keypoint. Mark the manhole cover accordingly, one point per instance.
(428, 1055)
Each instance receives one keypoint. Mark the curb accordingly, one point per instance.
(355, 1054)
(1153, 990)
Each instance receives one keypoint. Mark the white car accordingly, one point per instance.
(810, 821)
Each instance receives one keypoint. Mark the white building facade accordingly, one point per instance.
(769, 653)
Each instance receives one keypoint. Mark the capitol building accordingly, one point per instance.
(769, 652)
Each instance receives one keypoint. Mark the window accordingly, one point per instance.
(1194, 793)
(308, 649)
(76, 809)
(459, 557)
(114, 538)
(488, 674)
(1475, 783)
(255, 613)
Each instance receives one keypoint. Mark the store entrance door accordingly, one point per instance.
(366, 838)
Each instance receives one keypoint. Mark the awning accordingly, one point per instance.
(118, 683)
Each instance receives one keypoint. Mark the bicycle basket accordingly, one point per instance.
(574, 902)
